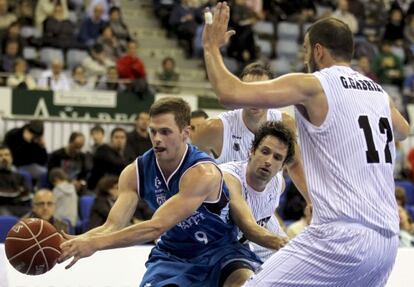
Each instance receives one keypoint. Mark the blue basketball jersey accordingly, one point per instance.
(210, 225)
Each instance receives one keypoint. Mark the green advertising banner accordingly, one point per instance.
(99, 105)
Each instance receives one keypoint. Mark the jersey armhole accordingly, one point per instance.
(140, 185)
(327, 91)
(225, 136)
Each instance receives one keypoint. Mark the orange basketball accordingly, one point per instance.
(32, 246)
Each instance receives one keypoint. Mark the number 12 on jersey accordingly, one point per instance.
(384, 128)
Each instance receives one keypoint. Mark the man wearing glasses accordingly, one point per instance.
(43, 207)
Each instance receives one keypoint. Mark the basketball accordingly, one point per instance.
(32, 246)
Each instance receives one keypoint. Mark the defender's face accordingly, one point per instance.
(166, 137)
(268, 158)
(310, 63)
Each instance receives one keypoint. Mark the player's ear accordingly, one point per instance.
(187, 132)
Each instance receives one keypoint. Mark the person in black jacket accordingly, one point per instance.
(72, 160)
(138, 140)
(14, 190)
(28, 148)
(109, 159)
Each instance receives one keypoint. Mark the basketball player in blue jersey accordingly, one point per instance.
(347, 130)
(197, 243)
(258, 180)
(229, 137)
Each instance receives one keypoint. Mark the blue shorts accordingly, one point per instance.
(164, 268)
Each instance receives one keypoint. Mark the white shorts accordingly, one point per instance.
(331, 255)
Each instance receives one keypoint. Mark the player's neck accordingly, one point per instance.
(252, 123)
(255, 183)
(169, 166)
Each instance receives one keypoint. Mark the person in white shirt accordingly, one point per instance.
(20, 78)
(54, 79)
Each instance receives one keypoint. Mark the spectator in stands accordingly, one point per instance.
(183, 21)
(14, 190)
(91, 26)
(97, 62)
(72, 160)
(111, 81)
(20, 79)
(118, 26)
(13, 33)
(168, 74)
(45, 8)
(65, 195)
(394, 30)
(364, 67)
(409, 37)
(296, 227)
(138, 140)
(406, 229)
(28, 148)
(400, 196)
(6, 18)
(54, 79)
(198, 118)
(132, 68)
(163, 9)
(342, 13)
(97, 134)
(43, 207)
(110, 43)
(8, 60)
(80, 81)
(388, 66)
(109, 159)
(242, 45)
(25, 13)
(106, 6)
(106, 195)
(59, 32)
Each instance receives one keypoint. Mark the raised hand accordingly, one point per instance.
(215, 35)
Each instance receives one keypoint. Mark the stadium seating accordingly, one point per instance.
(409, 190)
(85, 207)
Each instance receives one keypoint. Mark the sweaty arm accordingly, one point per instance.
(400, 125)
(295, 168)
(209, 137)
(174, 210)
(244, 219)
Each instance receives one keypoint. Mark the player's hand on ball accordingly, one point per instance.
(215, 33)
(78, 247)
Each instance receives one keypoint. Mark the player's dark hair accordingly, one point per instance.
(279, 131)
(256, 69)
(334, 35)
(199, 114)
(176, 106)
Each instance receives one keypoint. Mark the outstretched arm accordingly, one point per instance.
(244, 219)
(173, 211)
(287, 90)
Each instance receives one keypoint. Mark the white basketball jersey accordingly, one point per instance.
(349, 159)
(262, 203)
(237, 138)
